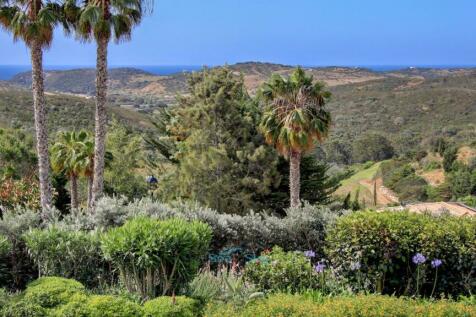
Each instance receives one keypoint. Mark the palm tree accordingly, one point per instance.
(102, 20)
(69, 155)
(33, 22)
(295, 118)
(88, 164)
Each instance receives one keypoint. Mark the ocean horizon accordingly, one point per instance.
(7, 72)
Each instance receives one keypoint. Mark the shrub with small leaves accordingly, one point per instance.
(362, 305)
(77, 306)
(23, 308)
(166, 306)
(112, 306)
(49, 292)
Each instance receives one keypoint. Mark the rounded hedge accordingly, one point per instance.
(77, 306)
(369, 306)
(112, 306)
(157, 257)
(166, 307)
(379, 247)
(49, 292)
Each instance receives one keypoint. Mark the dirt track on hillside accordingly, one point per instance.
(385, 196)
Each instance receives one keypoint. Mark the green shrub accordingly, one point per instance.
(5, 249)
(112, 306)
(49, 292)
(18, 265)
(383, 244)
(282, 271)
(154, 255)
(165, 307)
(77, 306)
(80, 254)
(400, 176)
(281, 305)
(5, 245)
(4, 298)
(23, 308)
(302, 229)
(432, 165)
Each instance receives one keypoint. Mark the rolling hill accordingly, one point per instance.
(407, 106)
(64, 111)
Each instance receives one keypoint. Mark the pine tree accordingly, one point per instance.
(215, 154)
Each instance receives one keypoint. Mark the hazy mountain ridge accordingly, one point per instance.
(134, 83)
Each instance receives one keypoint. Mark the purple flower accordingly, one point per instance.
(436, 263)
(419, 259)
(310, 254)
(355, 266)
(319, 267)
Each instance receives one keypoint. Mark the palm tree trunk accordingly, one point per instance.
(295, 178)
(101, 120)
(74, 191)
(90, 189)
(39, 105)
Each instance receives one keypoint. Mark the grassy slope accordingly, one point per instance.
(354, 183)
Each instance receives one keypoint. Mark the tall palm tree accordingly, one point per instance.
(69, 155)
(101, 21)
(33, 22)
(295, 118)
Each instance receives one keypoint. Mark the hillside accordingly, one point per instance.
(407, 109)
(141, 89)
(64, 111)
(407, 106)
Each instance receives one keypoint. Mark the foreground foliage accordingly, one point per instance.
(157, 257)
(368, 306)
(381, 248)
(58, 297)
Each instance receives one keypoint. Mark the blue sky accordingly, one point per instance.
(305, 32)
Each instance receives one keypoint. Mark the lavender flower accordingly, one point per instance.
(355, 266)
(419, 259)
(436, 263)
(319, 267)
(310, 254)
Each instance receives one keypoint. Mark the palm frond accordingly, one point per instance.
(296, 115)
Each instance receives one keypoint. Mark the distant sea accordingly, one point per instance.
(8, 71)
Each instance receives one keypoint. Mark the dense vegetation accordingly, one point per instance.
(65, 112)
(417, 255)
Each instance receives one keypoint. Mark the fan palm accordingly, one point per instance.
(294, 119)
(101, 21)
(71, 154)
(33, 22)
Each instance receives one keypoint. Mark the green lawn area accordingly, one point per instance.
(354, 183)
